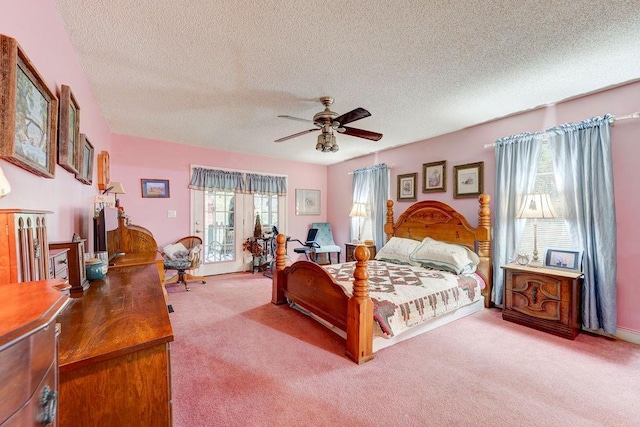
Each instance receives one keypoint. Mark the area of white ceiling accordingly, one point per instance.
(218, 73)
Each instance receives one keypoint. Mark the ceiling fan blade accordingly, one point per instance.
(295, 135)
(360, 133)
(296, 118)
(352, 116)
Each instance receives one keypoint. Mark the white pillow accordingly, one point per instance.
(457, 259)
(398, 250)
(176, 251)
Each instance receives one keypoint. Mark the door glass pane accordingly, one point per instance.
(219, 238)
(267, 207)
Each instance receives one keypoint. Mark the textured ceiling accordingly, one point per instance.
(218, 73)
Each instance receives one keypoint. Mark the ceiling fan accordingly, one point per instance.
(328, 121)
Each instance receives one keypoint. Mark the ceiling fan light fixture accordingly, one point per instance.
(320, 144)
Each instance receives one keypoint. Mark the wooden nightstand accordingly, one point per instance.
(543, 298)
(350, 247)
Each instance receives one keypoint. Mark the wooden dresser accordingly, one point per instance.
(115, 352)
(28, 352)
(77, 272)
(24, 250)
(543, 298)
(59, 264)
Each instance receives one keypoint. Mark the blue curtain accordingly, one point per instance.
(516, 166)
(584, 173)
(211, 179)
(250, 183)
(371, 186)
(266, 184)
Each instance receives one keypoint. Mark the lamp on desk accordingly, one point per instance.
(536, 206)
(115, 188)
(359, 210)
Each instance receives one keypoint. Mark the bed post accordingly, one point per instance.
(388, 225)
(360, 312)
(483, 237)
(277, 291)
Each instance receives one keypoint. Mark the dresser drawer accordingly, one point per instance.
(58, 264)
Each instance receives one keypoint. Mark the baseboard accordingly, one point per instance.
(628, 335)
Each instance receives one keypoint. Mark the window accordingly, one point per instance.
(267, 207)
(552, 233)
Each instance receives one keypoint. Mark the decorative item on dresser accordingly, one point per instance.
(77, 273)
(350, 247)
(536, 206)
(59, 264)
(359, 210)
(29, 352)
(543, 298)
(24, 250)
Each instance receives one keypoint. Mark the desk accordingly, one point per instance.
(114, 359)
(142, 258)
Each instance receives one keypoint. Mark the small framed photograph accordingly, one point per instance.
(69, 131)
(28, 113)
(468, 180)
(566, 259)
(434, 177)
(307, 202)
(155, 188)
(407, 187)
(85, 164)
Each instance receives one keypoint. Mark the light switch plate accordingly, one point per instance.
(171, 214)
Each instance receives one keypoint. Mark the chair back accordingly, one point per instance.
(324, 237)
(191, 243)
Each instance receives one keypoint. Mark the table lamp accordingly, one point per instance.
(359, 210)
(536, 206)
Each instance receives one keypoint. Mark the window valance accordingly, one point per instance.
(249, 183)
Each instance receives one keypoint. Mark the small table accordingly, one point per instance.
(350, 247)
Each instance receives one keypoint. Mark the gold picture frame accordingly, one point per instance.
(28, 113)
(407, 187)
(85, 164)
(468, 180)
(69, 131)
(434, 177)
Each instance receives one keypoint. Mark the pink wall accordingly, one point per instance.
(37, 27)
(466, 146)
(136, 158)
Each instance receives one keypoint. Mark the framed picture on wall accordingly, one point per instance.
(85, 164)
(468, 180)
(407, 187)
(68, 131)
(155, 188)
(28, 113)
(434, 177)
(307, 202)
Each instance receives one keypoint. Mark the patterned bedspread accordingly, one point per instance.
(405, 296)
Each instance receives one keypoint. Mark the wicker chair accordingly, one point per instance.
(183, 262)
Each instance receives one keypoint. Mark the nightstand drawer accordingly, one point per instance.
(543, 299)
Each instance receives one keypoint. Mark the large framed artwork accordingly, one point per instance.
(155, 188)
(468, 180)
(28, 113)
(68, 131)
(307, 202)
(407, 187)
(85, 164)
(434, 177)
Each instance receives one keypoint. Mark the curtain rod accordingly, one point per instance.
(614, 119)
(388, 167)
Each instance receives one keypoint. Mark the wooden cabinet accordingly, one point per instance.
(28, 352)
(58, 264)
(24, 251)
(77, 272)
(115, 352)
(543, 298)
(350, 247)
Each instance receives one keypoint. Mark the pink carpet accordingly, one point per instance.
(238, 360)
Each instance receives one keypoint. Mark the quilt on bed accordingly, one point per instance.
(405, 296)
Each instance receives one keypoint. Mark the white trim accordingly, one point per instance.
(628, 335)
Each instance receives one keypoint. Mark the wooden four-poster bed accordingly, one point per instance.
(313, 289)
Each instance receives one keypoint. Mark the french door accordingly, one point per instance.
(224, 220)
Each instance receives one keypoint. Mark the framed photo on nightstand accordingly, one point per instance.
(565, 259)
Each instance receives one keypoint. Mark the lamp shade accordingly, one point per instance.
(358, 209)
(537, 206)
(5, 187)
(116, 188)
